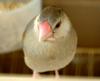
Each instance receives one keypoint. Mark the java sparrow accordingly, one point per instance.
(49, 41)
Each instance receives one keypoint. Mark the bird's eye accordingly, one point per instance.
(58, 25)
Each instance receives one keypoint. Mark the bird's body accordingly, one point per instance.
(49, 55)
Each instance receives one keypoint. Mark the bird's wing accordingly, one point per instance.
(29, 26)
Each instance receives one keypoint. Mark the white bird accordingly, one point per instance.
(14, 16)
(49, 42)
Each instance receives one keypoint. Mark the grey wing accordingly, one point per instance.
(28, 27)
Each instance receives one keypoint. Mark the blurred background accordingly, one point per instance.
(85, 17)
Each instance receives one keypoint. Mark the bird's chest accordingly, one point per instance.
(45, 50)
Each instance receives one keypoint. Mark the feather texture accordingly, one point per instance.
(50, 55)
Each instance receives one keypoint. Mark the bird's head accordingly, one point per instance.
(51, 24)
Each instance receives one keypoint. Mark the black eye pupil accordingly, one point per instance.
(58, 25)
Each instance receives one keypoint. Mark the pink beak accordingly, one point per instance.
(45, 31)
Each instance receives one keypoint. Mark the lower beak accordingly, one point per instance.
(46, 37)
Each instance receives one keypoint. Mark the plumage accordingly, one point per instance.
(49, 55)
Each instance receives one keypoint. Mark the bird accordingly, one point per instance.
(49, 41)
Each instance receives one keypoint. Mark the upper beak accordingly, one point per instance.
(45, 31)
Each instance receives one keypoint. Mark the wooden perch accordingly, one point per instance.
(45, 78)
